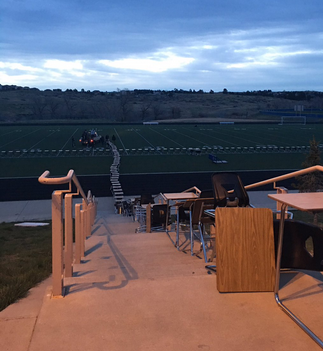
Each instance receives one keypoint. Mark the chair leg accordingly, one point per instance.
(177, 230)
(191, 235)
(201, 230)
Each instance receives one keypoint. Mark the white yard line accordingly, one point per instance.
(152, 145)
(189, 137)
(121, 141)
(33, 146)
(13, 131)
(13, 141)
(168, 138)
(214, 137)
(68, 140)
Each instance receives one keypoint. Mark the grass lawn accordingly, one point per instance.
(25, 260)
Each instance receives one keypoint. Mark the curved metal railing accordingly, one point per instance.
(274, 180)
(285, 176)
(85, 213)
(69, 178)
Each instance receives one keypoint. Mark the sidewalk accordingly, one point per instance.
(135, 292)
(40, 210)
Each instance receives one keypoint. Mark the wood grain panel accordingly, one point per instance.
(245, 254)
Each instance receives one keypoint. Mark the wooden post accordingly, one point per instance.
(68, 249)
(57, 243)
(88, 221)
(78, 234)
(82, 227)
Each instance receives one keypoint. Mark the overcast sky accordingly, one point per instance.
(149, 44)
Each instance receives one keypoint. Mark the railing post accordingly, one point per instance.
(87, 220)
(92, 208)
(68, 250)
(82, 232)
(57, 243)
(93, 212)
(148, 218)
(78, 234)
(90, 221)
(83, 223)
(281, 190)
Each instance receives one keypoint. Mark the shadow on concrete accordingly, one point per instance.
(311, 290)
(126, 268)
(128, 272)
(93, 248)
(81, 274)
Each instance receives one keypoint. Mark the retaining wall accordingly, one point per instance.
(17, 189)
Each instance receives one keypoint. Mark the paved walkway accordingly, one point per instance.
(39, 210)
(137, 292)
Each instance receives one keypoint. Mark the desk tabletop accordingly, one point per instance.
(179, 196)
(301, 201)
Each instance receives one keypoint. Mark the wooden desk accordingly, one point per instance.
(245, 253)
(179, 196)
(185, 195)
(312, 202)
(309, 202)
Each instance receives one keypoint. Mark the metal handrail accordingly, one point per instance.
(71, 176)
(285, 176)
(85, 213)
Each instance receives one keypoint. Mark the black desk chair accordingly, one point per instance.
(158, 217)
(295, 255)
(182, 220)
(199, 219)
(146, 199)
(229, 190)
(139, 211)
(191, 212)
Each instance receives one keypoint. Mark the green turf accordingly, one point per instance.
(30, 139)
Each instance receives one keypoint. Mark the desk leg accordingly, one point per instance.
(191, 233)
(278, 264)
(167, 216)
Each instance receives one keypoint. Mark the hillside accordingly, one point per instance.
(19, 104)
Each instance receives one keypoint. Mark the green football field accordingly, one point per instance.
(30, 150)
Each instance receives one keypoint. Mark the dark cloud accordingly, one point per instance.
(205, 44)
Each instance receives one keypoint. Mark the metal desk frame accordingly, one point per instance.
(183, 196)
(304, 202)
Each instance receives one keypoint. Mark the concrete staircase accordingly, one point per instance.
(136, 292)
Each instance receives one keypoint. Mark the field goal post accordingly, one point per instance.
(296, 119)
(299, 120)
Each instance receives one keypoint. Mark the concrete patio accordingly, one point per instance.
(135, 291)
